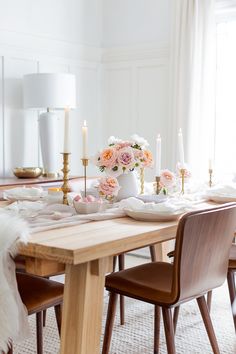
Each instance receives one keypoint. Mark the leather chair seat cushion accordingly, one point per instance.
(38, 293)
(232, 257)
(150, 282)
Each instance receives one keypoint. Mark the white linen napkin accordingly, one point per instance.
(41, 216)
(223, 190)
(170, 206)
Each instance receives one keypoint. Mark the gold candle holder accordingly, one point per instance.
(65, 186)
(158, 185)
(210, 177)
(182, 173)
(85, 162)
(142, 180)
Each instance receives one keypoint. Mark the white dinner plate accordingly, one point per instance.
(221, 199)
(152, 216)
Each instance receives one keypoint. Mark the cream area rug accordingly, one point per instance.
(136, 336)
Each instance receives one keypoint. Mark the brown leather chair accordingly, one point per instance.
(193, 273)
(231, 286)
(231, 281)
(39, 294)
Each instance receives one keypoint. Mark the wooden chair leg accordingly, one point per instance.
(121, 258)
(175, 317)
(153, 253)
(169, 330)
(39, 330)
(58, 314)
(114, 263)
(157, 324)
(10, 350)
(45, 311)
(209, 300)
(232, 294)
(44, 317)
(109, 322)
(208, 324)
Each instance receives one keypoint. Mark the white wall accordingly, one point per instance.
(129, 22)
(47, 36)
(76, 21)
(128, 37)
(136, 64)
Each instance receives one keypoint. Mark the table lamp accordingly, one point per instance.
(50, 92)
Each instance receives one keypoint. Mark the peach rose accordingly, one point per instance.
(147, 158)
(108, 158)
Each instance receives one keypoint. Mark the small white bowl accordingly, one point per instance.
(87, 207)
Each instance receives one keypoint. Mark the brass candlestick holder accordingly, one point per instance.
(65, 187)
(142, 180)
(210, 177)
(158, 185)
(85, 162)
(182, 174)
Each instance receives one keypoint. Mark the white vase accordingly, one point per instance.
(129, 185)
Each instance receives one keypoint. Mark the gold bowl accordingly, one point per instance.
(27, 172)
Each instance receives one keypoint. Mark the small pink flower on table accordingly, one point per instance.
(167, 178)
(108, 187)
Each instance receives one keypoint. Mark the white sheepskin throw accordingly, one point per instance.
(13, 315)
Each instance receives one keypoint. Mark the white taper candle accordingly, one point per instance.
(85, 140)
(158, 156)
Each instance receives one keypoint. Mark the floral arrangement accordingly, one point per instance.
(124, 156)
(108, 188)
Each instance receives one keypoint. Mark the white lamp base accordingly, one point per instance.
(48, 126)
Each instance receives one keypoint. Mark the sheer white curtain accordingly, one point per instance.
(192, 73)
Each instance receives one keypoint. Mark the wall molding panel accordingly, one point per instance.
(21, 54)
(135, 94)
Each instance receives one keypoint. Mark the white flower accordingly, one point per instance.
(136, 139)
(113, 140)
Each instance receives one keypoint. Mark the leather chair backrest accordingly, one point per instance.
(203, 243)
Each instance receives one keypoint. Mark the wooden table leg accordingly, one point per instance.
(82, 307)
(161, 250)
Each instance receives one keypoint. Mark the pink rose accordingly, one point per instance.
(126, 158)
(167, 178)
(123, 145)
(138, 154)
(108, 158)
(108, 187)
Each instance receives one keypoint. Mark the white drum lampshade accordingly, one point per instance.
(49, 91)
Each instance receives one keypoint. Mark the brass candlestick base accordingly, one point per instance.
(158, 185)
(142, 180)
(85, 162)
(65, 187)
(210, 177)
(182, 173)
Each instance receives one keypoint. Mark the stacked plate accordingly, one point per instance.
(222, 193)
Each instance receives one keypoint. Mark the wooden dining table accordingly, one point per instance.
(86, 252)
